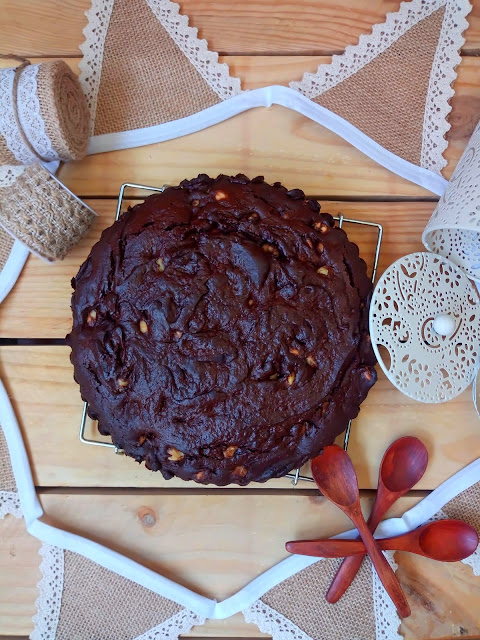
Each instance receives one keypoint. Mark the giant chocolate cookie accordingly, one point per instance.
(220, 330)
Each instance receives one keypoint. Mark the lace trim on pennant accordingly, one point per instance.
(98, 17)
(368, 48)
(180, 623)
(30, 115)
(9, 174)
(50, 590)
(10, 503)
(217, 75)
(270, 621)
(387, 621)
(440, 90)
(8, 124)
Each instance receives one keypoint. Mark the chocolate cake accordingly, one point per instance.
(220, 330)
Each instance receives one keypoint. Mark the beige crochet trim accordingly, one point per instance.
(40, 212)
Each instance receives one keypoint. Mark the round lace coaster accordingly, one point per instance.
(425, 327)
(44, 114)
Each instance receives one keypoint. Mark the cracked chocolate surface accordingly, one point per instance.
(220, 330)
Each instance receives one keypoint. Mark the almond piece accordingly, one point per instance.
(161, 266)
(143, 326)
(323, 271)
(291, 378)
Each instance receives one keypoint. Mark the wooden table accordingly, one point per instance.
(113, 500)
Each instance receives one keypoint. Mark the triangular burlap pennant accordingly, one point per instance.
(81, 599)
(143, 66)
(283, 608)
(395, 84)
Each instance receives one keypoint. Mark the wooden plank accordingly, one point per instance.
(251, 26)
(47, 403)
(39, 304)
(236, 538)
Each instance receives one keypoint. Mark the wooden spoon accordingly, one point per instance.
(443, 540)
(402, 466)
(335, 476)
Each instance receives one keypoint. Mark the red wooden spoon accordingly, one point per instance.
(443, 540)
(335, 476)
(402, 466)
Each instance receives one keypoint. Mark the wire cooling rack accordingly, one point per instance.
(377, 229)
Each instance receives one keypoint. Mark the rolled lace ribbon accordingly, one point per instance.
(43, 114)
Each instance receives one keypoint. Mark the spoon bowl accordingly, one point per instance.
(335, 476)
(448, 540)
(403, 464)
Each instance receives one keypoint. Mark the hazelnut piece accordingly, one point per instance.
(311, 361)
(220, 195)
(322, 227)
(269, 248)
(291, 378)
(143, 326)
(92, 316)
(230, 451)
(309, 243)
(200, 475)
(320, 247)
(195, 203)
(323, 271)
(240, 471)
(161, 266)
(294, 352)
(122, 383)
(174, 454)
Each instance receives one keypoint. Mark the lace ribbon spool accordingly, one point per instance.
(425, 313)
(44, 114)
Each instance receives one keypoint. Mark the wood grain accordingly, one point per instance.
(251, 26)
(39, 381)
(236, 539)
(43, 290)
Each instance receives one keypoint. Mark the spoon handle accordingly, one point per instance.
(350, 566)
(384, 570)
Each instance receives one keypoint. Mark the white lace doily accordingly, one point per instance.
(409, 297)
